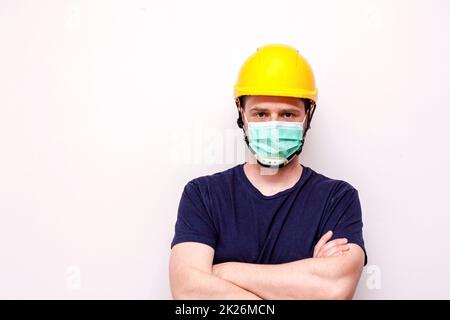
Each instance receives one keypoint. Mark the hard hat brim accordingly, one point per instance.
(294, 93)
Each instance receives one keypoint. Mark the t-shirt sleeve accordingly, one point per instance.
(344, 217)
(194, 221)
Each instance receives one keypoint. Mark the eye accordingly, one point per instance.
(288, 115)
(260, 115)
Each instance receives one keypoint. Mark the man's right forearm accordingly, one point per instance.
(194, 284)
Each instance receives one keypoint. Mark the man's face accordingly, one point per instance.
(273, 108)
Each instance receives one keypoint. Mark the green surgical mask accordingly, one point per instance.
(274, 143)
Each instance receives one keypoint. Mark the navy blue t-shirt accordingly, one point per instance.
(227, 212)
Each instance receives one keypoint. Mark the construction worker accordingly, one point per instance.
(270, 228)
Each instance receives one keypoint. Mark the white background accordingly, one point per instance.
(98, 100)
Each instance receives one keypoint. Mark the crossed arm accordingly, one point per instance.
(191, 275)
(332, 273)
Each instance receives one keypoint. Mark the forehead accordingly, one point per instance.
(273, 102)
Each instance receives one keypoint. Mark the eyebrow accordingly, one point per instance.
(283, 109)
(256, 108)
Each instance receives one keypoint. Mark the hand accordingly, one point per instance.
(326, 248)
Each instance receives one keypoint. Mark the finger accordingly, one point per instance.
(326, 251)
(334, 250)
(340, 253)
(324, 239)
(335, 242)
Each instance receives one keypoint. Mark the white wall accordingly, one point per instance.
(98, 99)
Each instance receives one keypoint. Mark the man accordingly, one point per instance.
(270, 228)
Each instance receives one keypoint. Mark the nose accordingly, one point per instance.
(274, 116)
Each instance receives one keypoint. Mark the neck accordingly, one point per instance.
(274, 179)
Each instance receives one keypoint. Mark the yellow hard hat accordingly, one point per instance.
(276, 70)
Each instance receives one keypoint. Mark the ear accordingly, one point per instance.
(239, 121)
(310, 107)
